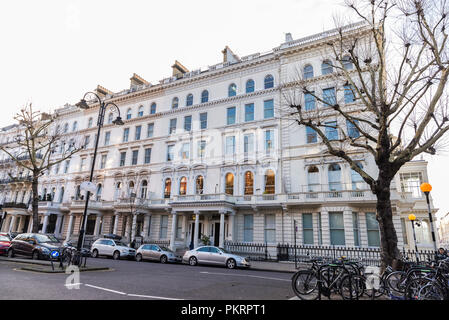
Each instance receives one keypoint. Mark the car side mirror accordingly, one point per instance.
(159, 250)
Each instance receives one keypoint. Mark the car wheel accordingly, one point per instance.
(163, 259)
(193, 261)
(95, 253)
(230, 264)
(116, 255)
(138, 257)
(10, 253)
(35, 255)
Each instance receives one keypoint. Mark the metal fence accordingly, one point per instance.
(252, 251)
(368, 256)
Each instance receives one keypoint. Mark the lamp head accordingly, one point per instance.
(412, 217)
(82, 104)
(426, 187)
(118, 121)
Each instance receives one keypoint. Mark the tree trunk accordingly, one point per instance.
(35, 204)
(388, 238)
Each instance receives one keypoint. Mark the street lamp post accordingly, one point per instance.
(426, 188)
(118, 121)
(412, 218)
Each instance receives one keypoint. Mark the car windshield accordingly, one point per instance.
(4, 238)
(118, 243)
(166, 249)
(43, 238)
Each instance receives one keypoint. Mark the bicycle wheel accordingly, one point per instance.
(352, 287)
(305, 285)
(423, 289)
(396, 282)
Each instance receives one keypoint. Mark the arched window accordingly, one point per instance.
(199, 185)
(232, 90)
(204, 96)
(175, 103)
(75, 126)
(229, 184)
(249, 86)
(189, 100)
(347, 62)
(90, 122)
(118, 189)
(110, 117)
(269, 182)
(143, 189)
(99, 190)
(356, 179)
(326, 67)
(334, 174)
(130, 189)
(313, 179)
(153, 108)
(249, 183)
(140, 111)
(167, 188)
(183, 186)
(128, 114)
(268, 81)
(308, 72)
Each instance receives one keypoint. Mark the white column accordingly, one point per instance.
(231, 226)
(173, 231)
(69, 228)
(117, 216)
(97, 225)
(348, 225)
(325, 228)
(197, 225)
(11, 223)
(133, 227)
(221, 236)
(146, 225)
(45, 224)
(58, 224)
(30, 227)
(128, 226)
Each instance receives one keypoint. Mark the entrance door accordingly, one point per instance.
(216, 233)
(27, 222)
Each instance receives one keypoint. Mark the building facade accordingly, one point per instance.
(213, 154)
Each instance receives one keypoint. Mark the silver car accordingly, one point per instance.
(214, 255)
(156, 253)
(112, 248)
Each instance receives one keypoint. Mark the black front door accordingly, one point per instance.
(26, 224)
(216, 234)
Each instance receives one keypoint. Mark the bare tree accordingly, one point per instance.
(37, 147)
(393, 72)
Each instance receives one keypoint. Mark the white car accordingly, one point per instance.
(112, 248)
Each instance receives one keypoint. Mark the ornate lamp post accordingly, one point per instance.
(118, 121)
(412, 218)
(426, 188)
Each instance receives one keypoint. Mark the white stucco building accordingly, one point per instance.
(211, 152)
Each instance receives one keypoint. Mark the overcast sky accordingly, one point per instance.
(53, 51)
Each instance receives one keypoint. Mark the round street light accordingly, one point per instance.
(425, 187)
(412, 217)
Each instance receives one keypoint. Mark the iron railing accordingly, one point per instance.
(252, 251)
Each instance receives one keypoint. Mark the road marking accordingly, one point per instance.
(72, 284)
(244, 275)
(100, 288)
(152, 297)
(294, 298)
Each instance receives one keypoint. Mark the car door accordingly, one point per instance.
(99, 246)
(216, 256)
(109, 247)
(203, 255)
(18, 244)
(28, 244)
(152, 253)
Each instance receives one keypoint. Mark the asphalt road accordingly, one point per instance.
(145, 280)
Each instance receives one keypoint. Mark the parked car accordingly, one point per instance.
(111, 248)
(5, 242)
(156, 253)
(35, 245)
(214, 255)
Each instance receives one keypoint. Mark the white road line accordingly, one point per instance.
(244, 275)
(151, 297)
(100, 288)
(294, 298)
(72, 284)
